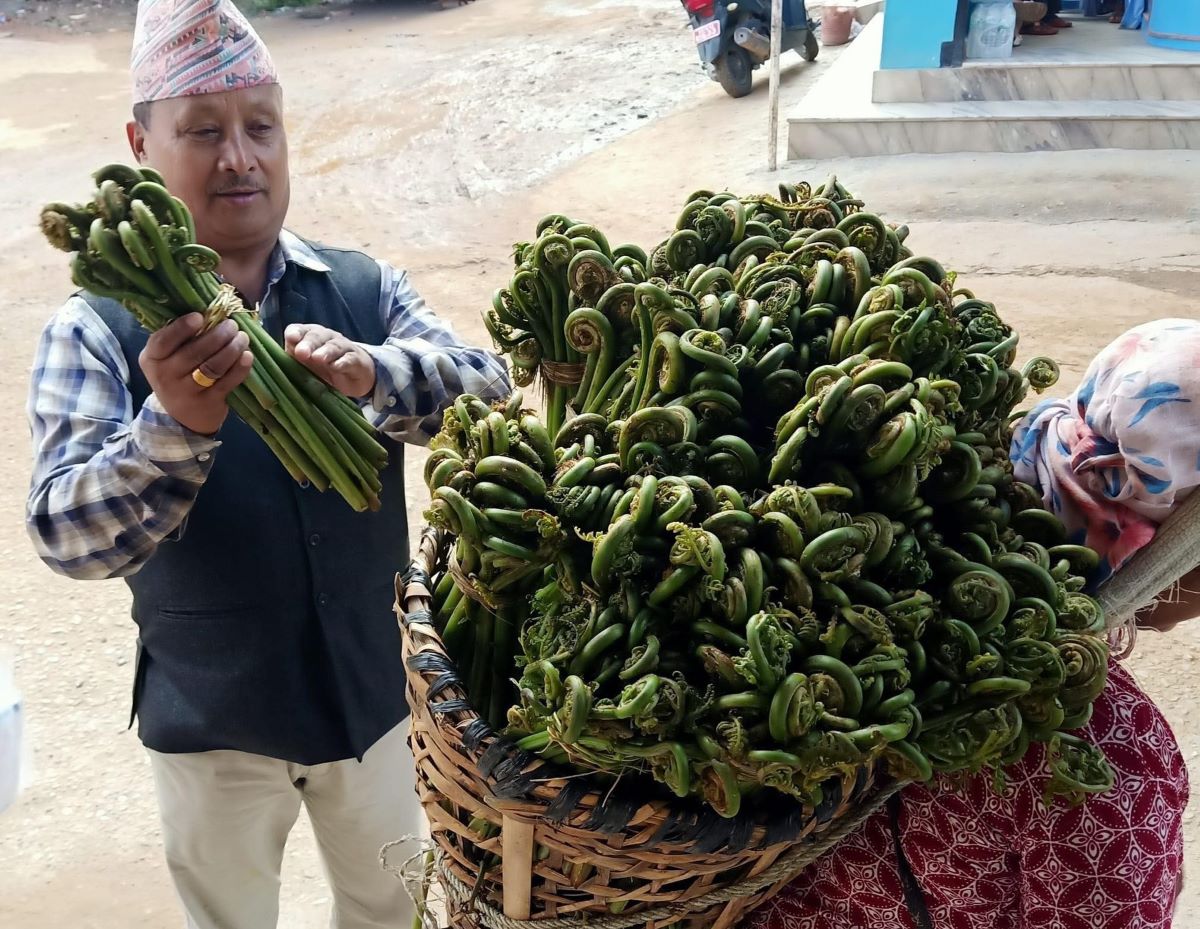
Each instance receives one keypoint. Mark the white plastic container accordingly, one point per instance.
(10, 736)
(991, 29)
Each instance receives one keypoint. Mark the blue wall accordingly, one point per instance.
(914, 30)
(1175, 24)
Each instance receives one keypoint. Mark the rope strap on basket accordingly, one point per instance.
(1174, 552)
(788, 866)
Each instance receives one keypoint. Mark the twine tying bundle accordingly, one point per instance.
(569, 374)
(224, 305)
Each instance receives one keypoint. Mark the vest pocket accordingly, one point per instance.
(211, 680)
(205, 614)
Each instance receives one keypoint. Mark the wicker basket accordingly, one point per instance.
(610, 857)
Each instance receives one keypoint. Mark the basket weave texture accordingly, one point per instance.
(564, 848)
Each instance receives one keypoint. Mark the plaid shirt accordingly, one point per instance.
(108, 485)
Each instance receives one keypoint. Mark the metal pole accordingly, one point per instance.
(776, 45)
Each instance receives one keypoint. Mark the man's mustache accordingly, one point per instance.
(240, 186)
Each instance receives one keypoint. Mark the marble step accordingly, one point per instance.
(839, 128)
(1012, 81)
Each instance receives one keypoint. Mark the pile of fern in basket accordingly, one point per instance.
(770, 539)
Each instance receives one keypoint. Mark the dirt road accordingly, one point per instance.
(436, 140)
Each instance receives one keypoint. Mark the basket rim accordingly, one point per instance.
(516, 777)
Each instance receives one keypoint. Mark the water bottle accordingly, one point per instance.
(991, 29)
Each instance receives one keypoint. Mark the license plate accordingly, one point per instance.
(707, 31)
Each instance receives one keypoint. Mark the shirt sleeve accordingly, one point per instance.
(422, 366)
(108, 486)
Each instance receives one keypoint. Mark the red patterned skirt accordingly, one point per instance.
(984, 860)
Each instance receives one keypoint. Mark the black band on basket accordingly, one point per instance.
(430, 663)
(503, 762)
(457, 705)
(790, 864)
(616, 812)
(492, 756)
(567, 800)
(567, 373)
(441, 683)
(415, 575)
(506, 766)
(418, 616)
(474, 735)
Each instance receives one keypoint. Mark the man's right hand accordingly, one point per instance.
(178, 349)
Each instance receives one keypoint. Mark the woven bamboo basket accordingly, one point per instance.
(568, 851)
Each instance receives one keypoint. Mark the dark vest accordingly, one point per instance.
(267, 626)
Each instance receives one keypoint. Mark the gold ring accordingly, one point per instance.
(202, 379)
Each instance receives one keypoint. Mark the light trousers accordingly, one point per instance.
(226, 816)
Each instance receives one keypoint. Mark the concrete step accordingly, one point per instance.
(1093, 60)
(822, 130)
(1158, 81)
(838, 118)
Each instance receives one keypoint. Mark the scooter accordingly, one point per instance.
(735, 38)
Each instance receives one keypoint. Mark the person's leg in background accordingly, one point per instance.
(1052, 17)
(225, 820)
(1040, 26)
(356, 809)
(1028, 13)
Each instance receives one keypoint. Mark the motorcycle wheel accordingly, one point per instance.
(734, 72)
(811, 47)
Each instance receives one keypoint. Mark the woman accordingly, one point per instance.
(1113, 461)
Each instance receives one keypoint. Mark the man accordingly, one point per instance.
(268, 672)
(1028, 13)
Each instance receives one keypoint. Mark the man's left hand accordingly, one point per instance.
(341, 363)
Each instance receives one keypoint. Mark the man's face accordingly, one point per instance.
(225, 155)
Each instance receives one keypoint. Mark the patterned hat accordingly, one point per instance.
(183, 47)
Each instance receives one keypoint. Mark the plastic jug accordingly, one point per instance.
(991, 29)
